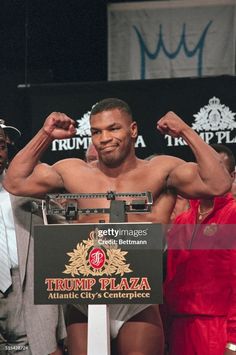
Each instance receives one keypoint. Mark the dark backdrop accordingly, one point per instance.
(47, 43)
(56, 41)
(149, 101)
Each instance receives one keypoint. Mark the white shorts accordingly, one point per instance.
(119, 314)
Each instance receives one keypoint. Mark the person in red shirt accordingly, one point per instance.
(200, 285)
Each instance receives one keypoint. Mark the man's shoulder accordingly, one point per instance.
(166, 159)
(69, 163)
(165, 163)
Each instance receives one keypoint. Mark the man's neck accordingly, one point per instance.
(206, 204)
(124, 167)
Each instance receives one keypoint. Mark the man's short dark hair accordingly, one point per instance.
(111, 104)
(220, 148)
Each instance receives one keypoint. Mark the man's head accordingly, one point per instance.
(12, 133)
(111, 104)
(3, 151)
(91, 154)
(113, 131)
(8, 136)
(227, 158)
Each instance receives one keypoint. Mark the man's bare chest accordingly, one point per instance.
(95, 182)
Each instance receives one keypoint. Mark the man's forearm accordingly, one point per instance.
(26, 160)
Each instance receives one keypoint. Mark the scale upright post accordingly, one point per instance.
(98, 314)
(98, 340)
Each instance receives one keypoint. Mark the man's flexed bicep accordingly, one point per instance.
(26, 176)
(188, 182)
(210, 177)
(43, 179)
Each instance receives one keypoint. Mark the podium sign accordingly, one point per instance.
(98, 263)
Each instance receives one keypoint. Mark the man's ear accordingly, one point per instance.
(9, 141)
(233, 174)
(134, 129)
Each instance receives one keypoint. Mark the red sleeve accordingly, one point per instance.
(231, 321)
